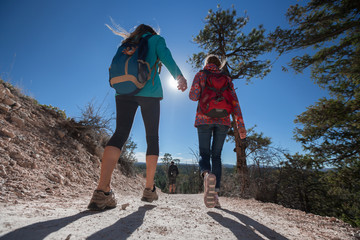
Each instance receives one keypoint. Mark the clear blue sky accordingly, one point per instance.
(59, 52)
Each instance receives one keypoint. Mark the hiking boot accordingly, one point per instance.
(102, 200)
(217, 202)
(209, 190)
(149, 195)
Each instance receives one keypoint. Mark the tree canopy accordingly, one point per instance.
(331, 127)
(329, 32)
(224, 35)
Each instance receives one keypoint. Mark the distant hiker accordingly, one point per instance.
(148, 98)
(173, 172)
(214, 90)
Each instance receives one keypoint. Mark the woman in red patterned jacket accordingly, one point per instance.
(215, 128)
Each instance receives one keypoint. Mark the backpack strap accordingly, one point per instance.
(157, 65)
(143, 45)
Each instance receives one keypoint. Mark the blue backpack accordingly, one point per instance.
(129, 70)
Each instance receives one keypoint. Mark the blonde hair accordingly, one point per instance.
(133, 36)
(214, 59)
(117, 29)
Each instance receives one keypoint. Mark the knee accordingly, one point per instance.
(216, 154)
(117, 140)
(216, 159)
(204, 152)
(152, 145)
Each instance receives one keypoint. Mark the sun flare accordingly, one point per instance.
(172, 83)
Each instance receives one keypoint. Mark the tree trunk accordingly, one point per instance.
(241, 165)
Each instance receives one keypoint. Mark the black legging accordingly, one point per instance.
(125, 112)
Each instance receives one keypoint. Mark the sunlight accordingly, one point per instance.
(172, 83)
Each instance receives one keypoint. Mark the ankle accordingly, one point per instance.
(205, 173)
(153, 188)
(103, 189)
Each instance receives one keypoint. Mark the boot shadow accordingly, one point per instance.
(246, 228)
(40, 230)
(124, 227)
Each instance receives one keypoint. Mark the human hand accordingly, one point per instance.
(182, 84)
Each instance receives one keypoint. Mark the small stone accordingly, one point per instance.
(9, 101)
(16, 155)
(4, 108)
(8, 93)
(16, 106)
(18, 121)
(61, 133)
(78, 147)
(7, 133)
(3, 171)
(56, 177)
(124, 206)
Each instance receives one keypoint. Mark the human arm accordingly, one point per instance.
(166, 58)
(238, 114)
(195, 90)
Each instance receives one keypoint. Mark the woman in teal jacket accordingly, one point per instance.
(126, 106)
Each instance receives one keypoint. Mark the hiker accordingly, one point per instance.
(173, 171)
(212, 130)
(148, 98)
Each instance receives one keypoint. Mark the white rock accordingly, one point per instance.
(4, 108)
(7, 133)
(9, 101)
(18, 121)
(16, 106)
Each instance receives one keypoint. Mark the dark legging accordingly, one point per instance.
(125, 112)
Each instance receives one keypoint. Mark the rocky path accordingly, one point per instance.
(174, 216)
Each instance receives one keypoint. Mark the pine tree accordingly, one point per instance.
(330, 129)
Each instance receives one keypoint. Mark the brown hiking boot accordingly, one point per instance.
(101, 200)
(209, 190)
(149, 195)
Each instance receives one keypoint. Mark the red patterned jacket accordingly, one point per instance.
(195, 92)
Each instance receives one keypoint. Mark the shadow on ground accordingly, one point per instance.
(40, 230)
(124, 227)
(246, 228)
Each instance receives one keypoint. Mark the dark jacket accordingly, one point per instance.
(173, 171)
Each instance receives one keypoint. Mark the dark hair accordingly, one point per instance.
(138, 32)
(213, 59)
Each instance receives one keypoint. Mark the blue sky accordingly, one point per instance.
(59, 52)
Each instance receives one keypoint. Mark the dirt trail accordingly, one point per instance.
(175, 216)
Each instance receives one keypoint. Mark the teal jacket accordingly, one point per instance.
(158, 49)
